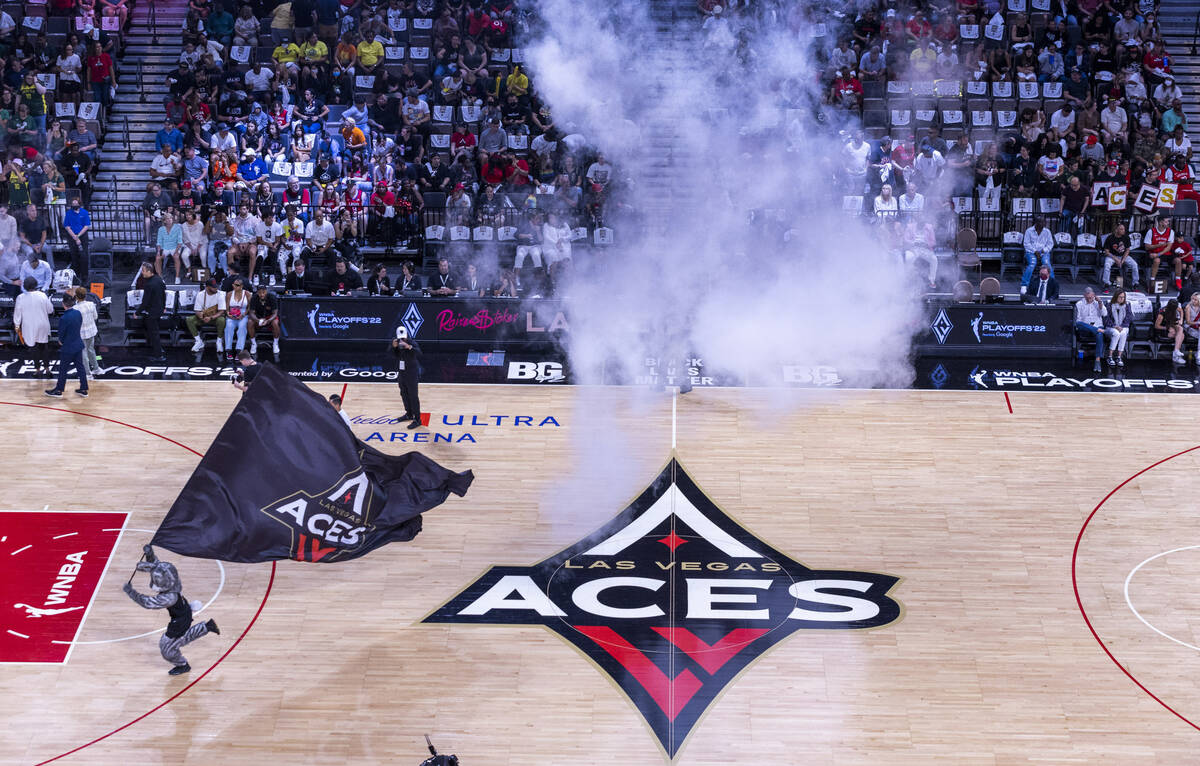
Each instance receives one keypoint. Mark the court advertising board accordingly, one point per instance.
(974, 329)
(495, 320)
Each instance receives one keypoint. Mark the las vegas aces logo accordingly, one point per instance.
(673, 599)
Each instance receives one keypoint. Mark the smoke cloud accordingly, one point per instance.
(747, 260)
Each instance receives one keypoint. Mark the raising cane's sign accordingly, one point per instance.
(494, 320)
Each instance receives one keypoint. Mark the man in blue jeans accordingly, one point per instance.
(1039, 243)
(1089, 318)
(71, 352)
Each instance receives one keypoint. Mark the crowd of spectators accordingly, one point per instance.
(1017, 103)
(56, 65)
(316, 128)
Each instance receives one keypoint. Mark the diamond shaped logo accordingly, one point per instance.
(939, 376)
(941, 326)
(413, 320)
(673, 599)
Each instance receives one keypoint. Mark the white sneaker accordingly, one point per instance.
(198, 345)
(275, 345)
(177, 277)
(254, 345)
(1178, 358)
(220, 345)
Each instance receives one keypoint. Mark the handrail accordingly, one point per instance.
(153, 22)
(128, 146)
(1195, 32)
(141, 86)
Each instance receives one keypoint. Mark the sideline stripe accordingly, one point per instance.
(1008, 402)
(181, 692)
(1079, 601)
(344, 392)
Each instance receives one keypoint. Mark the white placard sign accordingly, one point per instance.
(1166, 195)
(1118, 197)
(1147, 198)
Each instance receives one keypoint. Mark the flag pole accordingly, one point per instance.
(135, 570)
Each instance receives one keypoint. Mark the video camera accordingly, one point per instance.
(438, 760)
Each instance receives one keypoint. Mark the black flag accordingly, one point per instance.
(286, 478)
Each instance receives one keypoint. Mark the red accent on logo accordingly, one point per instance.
(311, 547)
(672, 695)
(317, 553)
(50, 566)
(711, 656)
(672, 540)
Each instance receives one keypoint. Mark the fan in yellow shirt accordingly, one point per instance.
(286, 56)
(370, 54)
(517, 83)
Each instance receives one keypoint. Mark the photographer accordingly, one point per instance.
(408, 356)
(249, 370)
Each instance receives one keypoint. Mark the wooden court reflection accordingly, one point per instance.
(975, 510)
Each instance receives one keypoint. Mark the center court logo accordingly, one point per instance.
(673, 599)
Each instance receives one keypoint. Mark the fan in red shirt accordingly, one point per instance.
(919, 30)
(293, 194)
(493, 170)
(847, 91)
(1179, 173)
(517, 172)
(100, 73)
(477, 21)
(1162, 243)
(383, 200)
(462, 140)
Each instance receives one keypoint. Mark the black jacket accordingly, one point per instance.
(154, 297)
(411, 358)
(1051, 289)
(296, 283)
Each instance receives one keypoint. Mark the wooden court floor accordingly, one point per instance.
(976, 510)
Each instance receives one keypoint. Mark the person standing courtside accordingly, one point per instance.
(89, 331)
(31, 317)
(408, 356)
(154, 300)
(71, 352)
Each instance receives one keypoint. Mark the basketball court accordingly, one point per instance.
(1015, 574)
